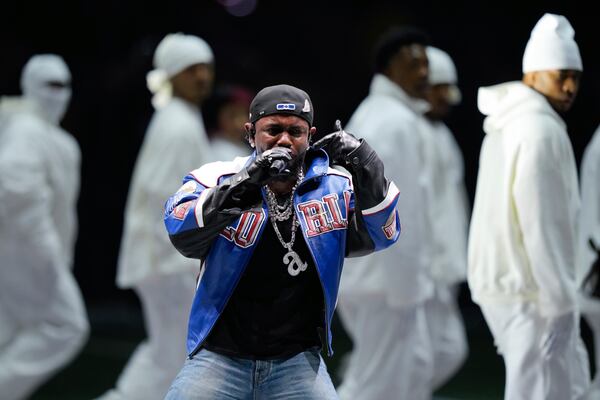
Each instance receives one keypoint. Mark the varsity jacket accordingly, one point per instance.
(215, 218)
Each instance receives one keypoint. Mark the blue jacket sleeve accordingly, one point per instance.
(196, 214)
(375, 223)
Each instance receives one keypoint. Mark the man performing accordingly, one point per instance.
(272, 231)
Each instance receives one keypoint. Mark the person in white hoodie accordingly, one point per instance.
(43, 322)
(175, 142)
(523, 236)
(589, 230)
(450, 205)
(382, 296)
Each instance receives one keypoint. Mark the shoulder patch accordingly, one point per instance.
(181, 210)
(188, 187)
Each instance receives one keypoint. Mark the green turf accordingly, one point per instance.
(116, 331)
(116, 334)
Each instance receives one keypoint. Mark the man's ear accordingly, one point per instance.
(249, 128)
(311, 134)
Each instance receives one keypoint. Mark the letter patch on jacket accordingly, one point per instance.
(181, 210)
(325, 215)
(389, 229)
(245, 233)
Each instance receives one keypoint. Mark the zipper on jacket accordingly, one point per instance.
(199, 345)
(329, 353)
(325, 313)
(325, 309)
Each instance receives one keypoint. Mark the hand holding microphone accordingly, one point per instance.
(277, 167)
(278, 158)
(268, 164)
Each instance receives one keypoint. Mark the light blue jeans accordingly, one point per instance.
(212, 376)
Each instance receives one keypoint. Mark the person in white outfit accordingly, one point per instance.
(589, 274)
(450, 205)
(43, 321)
(175, 142)
(383, 296)
(522, 254)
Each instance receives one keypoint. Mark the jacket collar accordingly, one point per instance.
(383, 86)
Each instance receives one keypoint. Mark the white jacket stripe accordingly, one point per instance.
(389, 198)
(198, 208)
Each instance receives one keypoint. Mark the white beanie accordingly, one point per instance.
(43, 68)
(173, 54)
(441, 67)
(551, 46)
(40, 70)
(443, 71)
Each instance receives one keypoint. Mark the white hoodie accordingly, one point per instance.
(523, 233)
(590, 204)
(393, 124)
(450, 208)
(39, 187)
(175, 143)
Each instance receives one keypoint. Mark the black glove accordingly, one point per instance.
(361, 161)
(338, 145)
(267, 164)
(228, 200)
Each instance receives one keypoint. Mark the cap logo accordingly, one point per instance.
(306, 106)
(286, 106)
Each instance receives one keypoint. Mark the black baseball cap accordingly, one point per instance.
(282, 99)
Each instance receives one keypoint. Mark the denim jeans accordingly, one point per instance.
(212, 376)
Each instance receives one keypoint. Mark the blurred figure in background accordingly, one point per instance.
(450, 206)
(43, 322)
(523, 235)
(383, 296)
(589, 240)
(175, 143)
(229, 113)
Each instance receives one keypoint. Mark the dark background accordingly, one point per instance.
(323, 47)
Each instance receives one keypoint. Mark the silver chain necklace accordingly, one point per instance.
(282, 213)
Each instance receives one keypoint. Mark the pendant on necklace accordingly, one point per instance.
(295, 263)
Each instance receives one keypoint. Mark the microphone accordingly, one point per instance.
(277, 167)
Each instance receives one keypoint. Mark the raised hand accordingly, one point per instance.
(338, 145)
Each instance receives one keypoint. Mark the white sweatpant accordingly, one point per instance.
(544, 359)
(392, 357)
(590, 309)
(166, 302)
(38, 338)
(447, 335)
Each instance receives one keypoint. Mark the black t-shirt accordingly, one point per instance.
(272, 314)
